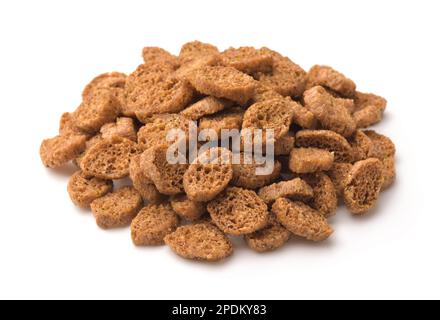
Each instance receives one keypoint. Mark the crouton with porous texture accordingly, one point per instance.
(301, 220)
(223, 82)
(109, 158)
(309, 160)
(117, 209)
(166, 176)
(239, 211)
(296, 189)
(363, 185)
(153, 223)
(84, 189)
(201, 241)
(273, 237)
(328, 77)
(61, 149)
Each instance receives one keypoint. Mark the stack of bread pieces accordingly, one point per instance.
(325, 155)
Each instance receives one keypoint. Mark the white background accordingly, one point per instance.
(50, 49)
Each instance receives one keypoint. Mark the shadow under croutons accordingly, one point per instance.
(66, 170)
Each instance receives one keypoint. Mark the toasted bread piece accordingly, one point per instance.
(363, 185)
(155, 132)
(153, 223)
(338, 174)
(142, 183)
(117, 209)
(239, 211)
(328, 77)
(204, 180)
(286, 78)
(361, 146)
(205, 107)
(201, 241)
(167, 177)
(270, 114)
(109, 158)
(327, 140)
(155, 55)
(223, 82)
(382, 147)
(301, 220)
(247, 59)
(325, 198)
(97, 109)
(61, 149)
(273, 237)
(123, 127)
(331, 112)
(115, 83)
(309, 160)
(245, 173)
(84, 189)
(296, 189)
